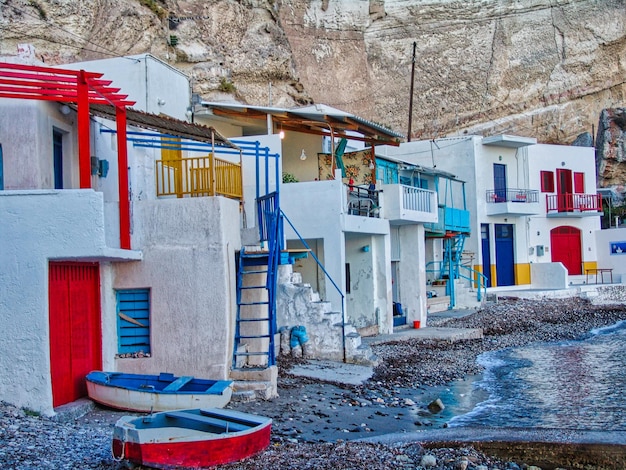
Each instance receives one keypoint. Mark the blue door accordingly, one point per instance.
(1, 170)
(499, 182)
(505, 273)
(485, 248)
(57, 155)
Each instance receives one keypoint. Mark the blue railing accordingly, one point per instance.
(343, 318)
(477, 279)
(450, 220)
(267, 208)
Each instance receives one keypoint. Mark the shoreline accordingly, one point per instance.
(377, 408)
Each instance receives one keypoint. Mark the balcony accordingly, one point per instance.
(198, 177)
(408, 205)
(573, 205)
(363, 201)
(513, 202)
(450, 220)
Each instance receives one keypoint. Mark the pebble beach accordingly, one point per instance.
(305, 407)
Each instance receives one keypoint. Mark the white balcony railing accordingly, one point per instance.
(407, 204)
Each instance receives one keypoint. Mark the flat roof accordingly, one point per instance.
(509, 141)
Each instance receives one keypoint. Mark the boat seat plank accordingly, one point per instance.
(179, 383)
(219, 387)
(221, 424)
(234, 416)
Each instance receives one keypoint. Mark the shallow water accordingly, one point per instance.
(567, 385)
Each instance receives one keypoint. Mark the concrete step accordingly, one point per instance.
(438, 304)
(250, 390)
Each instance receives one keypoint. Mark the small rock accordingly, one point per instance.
(462, 464)
(409, 402)
(436, 406)
(428, 461)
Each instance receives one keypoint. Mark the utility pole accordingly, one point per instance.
(411, 93)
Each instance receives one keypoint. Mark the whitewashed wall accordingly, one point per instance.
(189, 266)
(549, 158)
(38, 226)
(607, 258)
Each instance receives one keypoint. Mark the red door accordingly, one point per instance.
(566, 247)
(75, 332)
(564, 190)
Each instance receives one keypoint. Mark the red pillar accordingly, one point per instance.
(122, 178)
(84, 152)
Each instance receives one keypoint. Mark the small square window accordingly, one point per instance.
(133, 321)
(547, 182)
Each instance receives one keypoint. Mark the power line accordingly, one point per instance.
(107, 52)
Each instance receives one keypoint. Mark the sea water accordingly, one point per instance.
(567, 385)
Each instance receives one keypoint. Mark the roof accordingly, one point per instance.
(510, 141)
(166, 125)
(316, 119)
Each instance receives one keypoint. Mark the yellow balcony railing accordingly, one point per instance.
(198, 176)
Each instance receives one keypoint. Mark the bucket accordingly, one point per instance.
(416, 324)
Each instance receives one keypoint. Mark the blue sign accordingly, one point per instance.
(618, 248)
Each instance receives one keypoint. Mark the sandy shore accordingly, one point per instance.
(317, 424)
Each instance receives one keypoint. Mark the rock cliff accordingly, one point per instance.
(541, 68)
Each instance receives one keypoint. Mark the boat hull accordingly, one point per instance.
(130, 399)
(172, 446)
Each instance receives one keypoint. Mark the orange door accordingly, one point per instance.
(75, 331)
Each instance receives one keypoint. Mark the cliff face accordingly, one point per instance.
(611, 152)
(529, 67)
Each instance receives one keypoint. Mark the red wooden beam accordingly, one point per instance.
(84, 151)
(122, 177)
(37, 68)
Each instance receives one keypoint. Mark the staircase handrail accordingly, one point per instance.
(306, 245)
(477, 279)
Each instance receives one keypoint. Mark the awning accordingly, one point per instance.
(165, 125)
(316, 119)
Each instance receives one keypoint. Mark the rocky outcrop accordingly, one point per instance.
(611, 152)
(530, 67)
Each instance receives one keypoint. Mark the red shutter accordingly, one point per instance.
(579, 183)
(547, 182)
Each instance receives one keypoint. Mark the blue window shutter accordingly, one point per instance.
(133, 321)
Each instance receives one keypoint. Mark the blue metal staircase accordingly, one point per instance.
(450, 267)
(255, 326)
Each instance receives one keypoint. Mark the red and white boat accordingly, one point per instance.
(190, 438)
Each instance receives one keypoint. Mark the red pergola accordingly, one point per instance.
(31, 82)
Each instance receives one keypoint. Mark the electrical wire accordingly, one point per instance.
(107, 51)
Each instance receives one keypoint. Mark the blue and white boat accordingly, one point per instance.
(163, 392)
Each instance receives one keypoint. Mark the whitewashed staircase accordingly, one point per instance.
(299, 305)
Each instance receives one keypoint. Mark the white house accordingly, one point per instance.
(90, 253)
(355, 232)
(530, 204)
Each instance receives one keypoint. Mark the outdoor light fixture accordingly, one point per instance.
(365, 249)
(281, 134)
(64, 109)
(371, 165)
(303, 155)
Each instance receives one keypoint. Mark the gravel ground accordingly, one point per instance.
(28, 441)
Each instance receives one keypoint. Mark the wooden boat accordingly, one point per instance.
(138, 392)
(190, 438)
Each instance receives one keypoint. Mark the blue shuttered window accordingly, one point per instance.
(133, 321)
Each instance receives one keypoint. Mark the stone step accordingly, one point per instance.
(248, 390)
